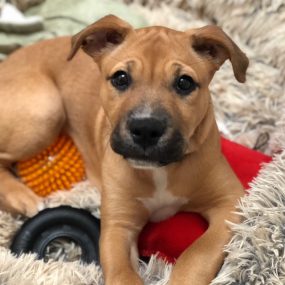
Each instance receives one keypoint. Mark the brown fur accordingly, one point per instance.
(42, 95)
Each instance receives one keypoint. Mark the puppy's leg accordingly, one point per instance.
(31, 116)
(121, 225)
(215, 201)
(15, 197)
(199, 264)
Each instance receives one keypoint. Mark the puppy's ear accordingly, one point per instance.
(212, 43)
(100, 37)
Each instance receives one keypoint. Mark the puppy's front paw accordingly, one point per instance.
(21, 200)
(118, 282)
(123, 279)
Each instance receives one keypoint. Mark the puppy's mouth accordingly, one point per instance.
(166, 151)
(143, 164)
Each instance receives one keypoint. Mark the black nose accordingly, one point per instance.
(146, 131)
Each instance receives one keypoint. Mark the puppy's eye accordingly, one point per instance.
(184, 85)
(121, 80)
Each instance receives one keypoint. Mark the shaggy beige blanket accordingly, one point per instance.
(252, 114)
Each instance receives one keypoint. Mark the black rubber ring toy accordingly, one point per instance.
(75, 224)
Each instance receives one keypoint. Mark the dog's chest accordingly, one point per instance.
(163, 204)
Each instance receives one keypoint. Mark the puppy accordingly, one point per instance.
(138, 107)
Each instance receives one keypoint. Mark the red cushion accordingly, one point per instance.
(171, 237)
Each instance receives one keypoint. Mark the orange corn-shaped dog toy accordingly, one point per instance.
(57, 167)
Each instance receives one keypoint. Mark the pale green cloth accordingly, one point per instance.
(67, 17)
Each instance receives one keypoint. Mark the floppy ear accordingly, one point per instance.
(100, 37)
(212, 43)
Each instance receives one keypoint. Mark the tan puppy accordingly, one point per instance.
(142, 117)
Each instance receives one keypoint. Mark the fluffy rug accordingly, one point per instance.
(252, 114)
(256, 252)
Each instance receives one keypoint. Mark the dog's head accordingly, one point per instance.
(154, 86)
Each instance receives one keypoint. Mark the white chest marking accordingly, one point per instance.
(162, 204)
